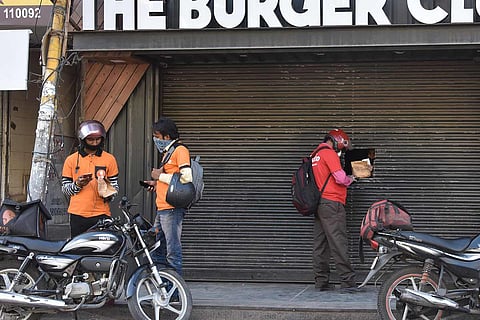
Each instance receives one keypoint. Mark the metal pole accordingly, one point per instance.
(48, 104)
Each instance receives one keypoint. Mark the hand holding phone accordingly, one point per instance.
(144, 184)
(147, 186)
(83, 180)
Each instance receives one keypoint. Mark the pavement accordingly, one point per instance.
(261, 301)
(256, 301)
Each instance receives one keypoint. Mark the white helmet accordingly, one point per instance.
(91, 128)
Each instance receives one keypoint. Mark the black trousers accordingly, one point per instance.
(79, 224)
(330, 240)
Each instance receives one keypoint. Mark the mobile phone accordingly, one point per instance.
(86, 175)
(143, 184)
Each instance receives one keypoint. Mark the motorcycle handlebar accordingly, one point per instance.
(125, 204)
(107, 223)
(123, 201)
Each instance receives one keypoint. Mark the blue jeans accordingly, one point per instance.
(169, 225)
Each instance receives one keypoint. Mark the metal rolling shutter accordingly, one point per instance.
(251, 124)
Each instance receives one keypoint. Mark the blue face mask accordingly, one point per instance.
(161, 144)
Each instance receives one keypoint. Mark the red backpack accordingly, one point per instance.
(382, 215)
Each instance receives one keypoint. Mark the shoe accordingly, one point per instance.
(325, 287)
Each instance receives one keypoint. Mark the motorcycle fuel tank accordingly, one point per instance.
(93, 243)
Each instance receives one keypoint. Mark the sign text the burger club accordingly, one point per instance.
(229, 14)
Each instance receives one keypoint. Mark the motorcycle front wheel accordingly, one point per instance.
(390, 307)
(8, 270)
(170, 300)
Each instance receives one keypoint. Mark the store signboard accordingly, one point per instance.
(25, 13)
(231, 14)
(14, 59)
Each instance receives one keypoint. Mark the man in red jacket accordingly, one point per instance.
(330, 229)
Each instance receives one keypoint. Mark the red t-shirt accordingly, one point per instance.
(326, 161)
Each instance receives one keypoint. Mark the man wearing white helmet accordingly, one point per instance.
(82, 173)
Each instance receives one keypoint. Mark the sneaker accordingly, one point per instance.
(325, 287)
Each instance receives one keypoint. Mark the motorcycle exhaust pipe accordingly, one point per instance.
(428, 300)
(14, 298)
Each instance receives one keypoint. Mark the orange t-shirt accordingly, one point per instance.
(180, 158)
(88, 203)
(326, 161)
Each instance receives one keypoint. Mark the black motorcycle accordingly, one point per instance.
(432, 277)
(38, 276)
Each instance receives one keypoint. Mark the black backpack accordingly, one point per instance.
(197, 174)
(305, 193)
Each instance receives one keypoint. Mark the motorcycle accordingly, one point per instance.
(433, 277)
(39, 276)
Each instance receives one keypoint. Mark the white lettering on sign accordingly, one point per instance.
(309, 17)
(148, 15)
(232, 19)
(124, 8)
(374, 8)
(200, 14)
(265, 10)
(88, 7)
(426, 16)
(194, 14)
(460, 14)
(21, 13)
(333, 17)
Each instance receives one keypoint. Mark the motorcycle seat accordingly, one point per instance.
(36, 244)
(457, 244)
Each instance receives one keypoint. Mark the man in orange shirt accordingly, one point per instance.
(82, 171)
(170, 211)
(330, 229)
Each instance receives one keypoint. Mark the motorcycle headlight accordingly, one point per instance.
(149, 237)
(142, 223)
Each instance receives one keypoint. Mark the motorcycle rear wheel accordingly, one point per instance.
(149, 303)
(8, 270)
(389, 305)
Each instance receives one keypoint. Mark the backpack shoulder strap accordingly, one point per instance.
(168, 154)
(326, 181)
(330, 174)
(318, 149)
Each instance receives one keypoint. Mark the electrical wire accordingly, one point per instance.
(61, 63)
(36, 21)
